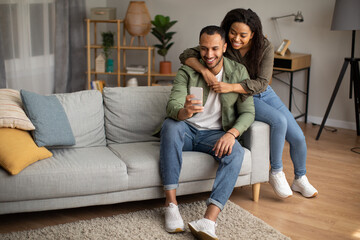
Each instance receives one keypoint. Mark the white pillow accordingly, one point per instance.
(12, 114)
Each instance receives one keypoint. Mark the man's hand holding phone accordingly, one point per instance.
(193, 104)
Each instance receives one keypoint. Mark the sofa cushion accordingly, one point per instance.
(85, 112)
(18, 150)
(50, 120)
(132, 114)
(70, 172)
(142, 161)
(12, 114)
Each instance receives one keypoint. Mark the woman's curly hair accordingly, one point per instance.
(251, 19)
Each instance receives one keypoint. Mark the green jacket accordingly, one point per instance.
(235, 113)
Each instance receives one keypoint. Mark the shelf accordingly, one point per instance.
(124, 47)
(120, 55)
(157, 74)
(119, 73)
(103, 73)
(123, 73)
(106, 21)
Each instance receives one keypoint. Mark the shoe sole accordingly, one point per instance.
(178, 230)
(297, 190)
(279, 195)
(200, 235)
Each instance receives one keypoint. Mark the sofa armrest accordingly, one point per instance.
(257, 140)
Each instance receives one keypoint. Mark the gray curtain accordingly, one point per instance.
(70, 41)
(2, 65)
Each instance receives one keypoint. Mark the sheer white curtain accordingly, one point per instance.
(27, 30)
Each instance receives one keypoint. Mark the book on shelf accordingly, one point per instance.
(136, 69)
(98, 85)
(136, 72)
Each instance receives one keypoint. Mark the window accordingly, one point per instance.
(27, 28)
(24, 20)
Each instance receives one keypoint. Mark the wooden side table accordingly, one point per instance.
(291, 63)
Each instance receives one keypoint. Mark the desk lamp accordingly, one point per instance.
(347, 17)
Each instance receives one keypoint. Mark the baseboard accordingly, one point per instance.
(331, 122)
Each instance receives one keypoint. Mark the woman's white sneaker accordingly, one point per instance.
(280, 185)
(303, 186)
(173, 220)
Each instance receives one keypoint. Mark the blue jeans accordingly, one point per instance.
(178, 136)
(270, 109)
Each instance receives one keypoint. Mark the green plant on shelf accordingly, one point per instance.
(107, 43)
(160, 30)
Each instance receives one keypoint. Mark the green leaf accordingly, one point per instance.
(158, 46)
(169, 46)
(169, 34)
(158, 35)
(162, 52)
(171, 24)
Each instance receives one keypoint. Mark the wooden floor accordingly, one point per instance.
(334, 214)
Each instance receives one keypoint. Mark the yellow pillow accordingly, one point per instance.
(18, 150)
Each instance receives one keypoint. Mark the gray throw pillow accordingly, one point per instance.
(52, 127)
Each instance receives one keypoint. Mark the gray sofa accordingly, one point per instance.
(116, 157)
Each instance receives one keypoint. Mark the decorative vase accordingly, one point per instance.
(137, 20)
(110, 65)
(165, 67)
(132, 82)
(100, 63)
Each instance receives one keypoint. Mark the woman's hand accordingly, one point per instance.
(221, 87)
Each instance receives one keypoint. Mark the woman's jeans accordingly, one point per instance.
(178, 136)
(271, 110)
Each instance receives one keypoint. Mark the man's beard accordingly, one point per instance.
(222, 56)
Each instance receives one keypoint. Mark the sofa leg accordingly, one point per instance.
(256, 191)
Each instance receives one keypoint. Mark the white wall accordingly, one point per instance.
(313, 36)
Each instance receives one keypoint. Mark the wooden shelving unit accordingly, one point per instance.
(121, 48)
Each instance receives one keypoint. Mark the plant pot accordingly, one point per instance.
(165, 67)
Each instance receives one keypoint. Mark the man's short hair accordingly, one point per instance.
(211, 30)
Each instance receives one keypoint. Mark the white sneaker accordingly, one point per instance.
(303, 186)
(173, 220)
(280, 185)
(203, 229)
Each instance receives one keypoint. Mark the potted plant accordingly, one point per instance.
(107, 43)
(160, 30)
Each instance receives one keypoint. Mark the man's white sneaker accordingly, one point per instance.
(303, 186)
(203, 229)
(173, 220)
(280, 185)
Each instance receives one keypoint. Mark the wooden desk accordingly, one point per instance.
(291, 63)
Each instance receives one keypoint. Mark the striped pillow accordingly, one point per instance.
(11, 113)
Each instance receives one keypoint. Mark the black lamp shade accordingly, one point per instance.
(346, 15)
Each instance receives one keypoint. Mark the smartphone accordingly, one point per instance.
(198, 93)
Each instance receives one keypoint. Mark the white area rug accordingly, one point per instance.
(233, 223)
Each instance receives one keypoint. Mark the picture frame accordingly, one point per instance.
(283, 47)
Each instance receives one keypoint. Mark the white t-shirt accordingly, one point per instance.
(210, 118)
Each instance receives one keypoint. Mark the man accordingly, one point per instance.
(210, 128)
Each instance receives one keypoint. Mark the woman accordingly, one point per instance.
(248, 46)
